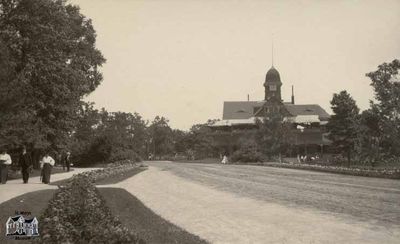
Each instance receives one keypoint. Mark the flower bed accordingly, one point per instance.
(78, 214)
(380, 173)
(110, 170)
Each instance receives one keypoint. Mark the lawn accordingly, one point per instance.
(34, 202)
(142, 221)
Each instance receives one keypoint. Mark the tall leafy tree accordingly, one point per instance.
(200, 142)
(368, 146)
(52, 64)
(161, 136)
(386, 107)
(273, 135)
(343, 124)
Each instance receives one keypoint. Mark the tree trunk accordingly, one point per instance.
(348, 157)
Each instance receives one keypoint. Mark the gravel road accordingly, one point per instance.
(353, 198)
(253, 204)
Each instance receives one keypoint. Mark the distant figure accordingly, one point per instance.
(25, 161)
(46, 163)
(224, 160)
(150, 156)
(298, 158)
(67, 161)
(5, 162)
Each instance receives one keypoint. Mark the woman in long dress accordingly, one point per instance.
(5, 162)
(46, 163)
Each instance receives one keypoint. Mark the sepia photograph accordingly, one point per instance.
(200, 121)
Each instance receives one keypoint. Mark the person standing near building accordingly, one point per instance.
(25, 161)
(5, 162)
(46, 163)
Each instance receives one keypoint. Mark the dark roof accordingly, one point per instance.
(307, 109)
(240, 110)
(29, 220)
(16, 218)
(245, 109)
(272, 76)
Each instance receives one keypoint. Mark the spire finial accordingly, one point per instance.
(272, 50)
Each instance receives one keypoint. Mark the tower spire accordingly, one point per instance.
(292, 94)
(272, 50)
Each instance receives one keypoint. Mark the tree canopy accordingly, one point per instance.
(386, 107)
(343, 124)
(52, 63)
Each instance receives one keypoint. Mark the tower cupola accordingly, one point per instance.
(273, 85)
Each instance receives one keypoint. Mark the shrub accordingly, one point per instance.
(121, 154)
(247, 153)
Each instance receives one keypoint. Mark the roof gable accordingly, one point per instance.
(307, 109)
(240, 110)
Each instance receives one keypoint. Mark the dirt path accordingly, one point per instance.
(14, 188)
(223, 217)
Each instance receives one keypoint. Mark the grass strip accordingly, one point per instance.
(142, 221)
(34, 202)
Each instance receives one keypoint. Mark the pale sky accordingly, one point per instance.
(182, 59)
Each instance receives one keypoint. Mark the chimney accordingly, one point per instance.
(292, 95)
(248, 97)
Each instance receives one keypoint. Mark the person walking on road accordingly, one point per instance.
(25, 161)
(5, 162)
(46, 163)
(224, 160)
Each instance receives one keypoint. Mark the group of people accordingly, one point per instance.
(26, 163)
(306, 158)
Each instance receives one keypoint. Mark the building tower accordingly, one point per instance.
(273, 85)
(273, 82)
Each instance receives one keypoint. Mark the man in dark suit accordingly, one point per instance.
(25, 161)
(67, 161)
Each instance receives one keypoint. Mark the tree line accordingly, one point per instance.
(48, 64)
(374, 134)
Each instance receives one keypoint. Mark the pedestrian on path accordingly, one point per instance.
(224, 160)
(46, 163)
(25, 161)
(66, 161)
(5, 162)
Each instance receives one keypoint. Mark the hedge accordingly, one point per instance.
(78, 214)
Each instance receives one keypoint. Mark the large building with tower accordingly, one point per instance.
(239, 118)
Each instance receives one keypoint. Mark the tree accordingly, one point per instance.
(52, 64)
(102, 136)
(161, 136)
(180, 141)
(273, 135)
(368, 146)
(386, 84)
(343, 124)
(200, 141)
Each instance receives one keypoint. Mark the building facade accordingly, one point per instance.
(239, 119)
